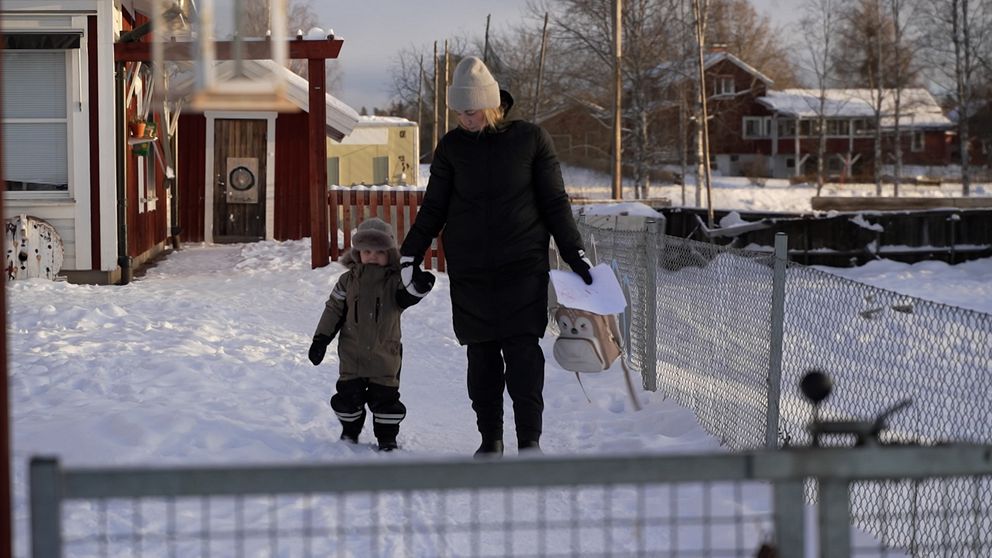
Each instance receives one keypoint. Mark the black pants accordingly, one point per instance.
(516, 363)
(384, 402)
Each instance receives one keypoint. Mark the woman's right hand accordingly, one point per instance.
(580, 264)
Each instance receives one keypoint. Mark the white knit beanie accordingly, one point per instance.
(472, 87)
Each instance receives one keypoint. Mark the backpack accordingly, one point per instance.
(589, 342)
(586, 342)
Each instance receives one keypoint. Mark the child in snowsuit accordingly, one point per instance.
(365, 308)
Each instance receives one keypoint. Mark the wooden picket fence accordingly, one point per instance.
(396, 206)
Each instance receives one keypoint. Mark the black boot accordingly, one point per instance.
(528, 447)
(491, 448)
(387, 444)
(351, 438)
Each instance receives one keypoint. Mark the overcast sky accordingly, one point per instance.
(374, 31)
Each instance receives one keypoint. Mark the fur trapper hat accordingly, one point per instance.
(374, 234)
(473, 87)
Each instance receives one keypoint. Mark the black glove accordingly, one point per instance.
(580, 264)
(423, 281)
(318, 348)
(415, 280)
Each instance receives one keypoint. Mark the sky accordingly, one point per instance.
(203, 360)
(373, 40)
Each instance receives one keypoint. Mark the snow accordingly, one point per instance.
(738, 193)
(203, 361)
(918, 107)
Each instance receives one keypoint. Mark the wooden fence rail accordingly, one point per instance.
(398, 207)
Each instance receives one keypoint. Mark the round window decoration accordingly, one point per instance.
(242, 179)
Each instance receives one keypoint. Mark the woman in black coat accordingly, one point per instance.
(496, 191)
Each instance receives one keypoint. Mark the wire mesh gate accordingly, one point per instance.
(638, 505)
(728, 333)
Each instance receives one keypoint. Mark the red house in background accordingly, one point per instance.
(758, 131)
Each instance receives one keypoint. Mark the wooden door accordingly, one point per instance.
(239, 180)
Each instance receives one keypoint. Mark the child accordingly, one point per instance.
(365, 307)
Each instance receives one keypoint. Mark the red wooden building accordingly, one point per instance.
(267, 152)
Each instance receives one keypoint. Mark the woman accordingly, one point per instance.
(496, 191)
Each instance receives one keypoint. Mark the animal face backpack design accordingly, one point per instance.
(586, 342)
(589, 342)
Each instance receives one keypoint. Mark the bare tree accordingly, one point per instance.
(300, 16)
(737, 26)
(904, 72)
(957, 37)
(819, 27)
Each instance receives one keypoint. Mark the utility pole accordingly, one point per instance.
(437, 93)
(540, 67)
(617, 97)
(446, 83)
(485, 49)
(420, 103)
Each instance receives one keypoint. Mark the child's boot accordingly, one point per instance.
(387, 413)
(387, 444)
(350, 410)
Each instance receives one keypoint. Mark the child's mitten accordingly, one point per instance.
(318, 348)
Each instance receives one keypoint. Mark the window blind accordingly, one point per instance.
(35, 121)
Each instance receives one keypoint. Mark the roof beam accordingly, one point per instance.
(311, 49)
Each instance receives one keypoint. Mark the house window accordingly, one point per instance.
(35, 120)
(838, 127)
(380, 170)
(917, 144)
(723, 85)
(757, 126)
(786, 128)
(333, 171)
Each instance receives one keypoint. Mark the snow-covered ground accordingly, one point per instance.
(203, 360)
(739, 193)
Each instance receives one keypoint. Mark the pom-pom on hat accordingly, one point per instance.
(473, 87)
(373, 234)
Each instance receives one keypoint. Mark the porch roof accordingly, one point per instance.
(341, 119)
(918, 108)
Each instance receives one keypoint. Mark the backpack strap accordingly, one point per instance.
(579, 378)
(630, 384)
(615, 329)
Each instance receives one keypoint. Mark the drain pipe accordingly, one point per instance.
(123, 259)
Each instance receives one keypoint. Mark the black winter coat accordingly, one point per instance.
(499, 197)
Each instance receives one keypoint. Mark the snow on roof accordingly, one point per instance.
(339, 116)
(677, 70)
(918, 108)
(383, 121)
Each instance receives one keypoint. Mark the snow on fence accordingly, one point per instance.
(704, 328)
(395, 205)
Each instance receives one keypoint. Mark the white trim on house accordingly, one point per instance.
(69, 212)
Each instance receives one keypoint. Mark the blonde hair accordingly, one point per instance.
(492, 116)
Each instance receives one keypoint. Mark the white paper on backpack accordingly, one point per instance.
(604, 296)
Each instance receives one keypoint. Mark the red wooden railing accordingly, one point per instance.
(398, 207)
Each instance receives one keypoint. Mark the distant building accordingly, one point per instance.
(759, 131)
(379, 150)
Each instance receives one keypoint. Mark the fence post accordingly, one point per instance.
(46, 507)
(653, 243)
(790, 530)
(776, 334)
(834, 517)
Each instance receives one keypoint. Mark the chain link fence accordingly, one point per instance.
(718, 353)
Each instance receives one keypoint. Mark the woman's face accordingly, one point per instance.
(471, 120)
